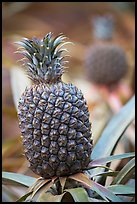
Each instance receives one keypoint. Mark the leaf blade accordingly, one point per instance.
(78, 194)
(115, 129)
(111, 158)
(49, 197)
(122, 189)
(23, 198)
(99, 189)
(120, 178)
(17, 179)
(121, 121)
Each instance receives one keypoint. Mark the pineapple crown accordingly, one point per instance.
(46, 63)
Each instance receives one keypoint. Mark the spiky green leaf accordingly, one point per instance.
(121, 177)
(49, 197)
(122, 189)
(23, 198)
(9, 178)
(99, 189)
(78, 194)
(111, 158)
(113, 132)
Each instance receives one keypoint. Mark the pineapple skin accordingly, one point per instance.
(105, 64)
(55, 127)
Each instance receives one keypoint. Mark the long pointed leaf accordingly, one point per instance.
(23, 198)
(78, 194)
(17, 179)
(95, 200)
(49, 197)
(110, 159)
(120, 178)
(43, 183)
(102, 191)
(122, 189)
(104, 174)
(114, 130)
(40, 185)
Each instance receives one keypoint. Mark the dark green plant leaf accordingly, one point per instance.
(37, 181)
(78, 194)
(95, 200)
(8, 195)
(43, 190)
(108, 159)
(49, 197)
(23, 198)
(121, 177)
(40, 185)
(9, 178)
(99, 166)
(114, 130)
(105, 174)
(130, 175)
(104, 192)
(122, 189)
(99, 189)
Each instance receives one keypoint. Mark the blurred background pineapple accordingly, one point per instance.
(81, 23)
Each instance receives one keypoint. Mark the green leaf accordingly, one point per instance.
(23, 198)
(8, 195)
(78, 194)
(104, 192)
(121, 177)
(95, 200)
(108, 159)
(84, 179)
(37, 181)
(26, 46)
(108, 173)
(49, 197)
(9, 178)
(114, 130)
(44, 189)
(99, 189)
(40, 185)
(122, 189)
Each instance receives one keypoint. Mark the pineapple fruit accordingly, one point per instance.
(106, 64)
(53, 116)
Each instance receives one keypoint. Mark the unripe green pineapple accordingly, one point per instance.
(106, 64)
(53, 116)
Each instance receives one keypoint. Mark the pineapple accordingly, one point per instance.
(53, 116)
(106, 64)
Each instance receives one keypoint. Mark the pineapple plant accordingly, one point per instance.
(106, 64)
(85, 178)
(90, 185)
(53, 116)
